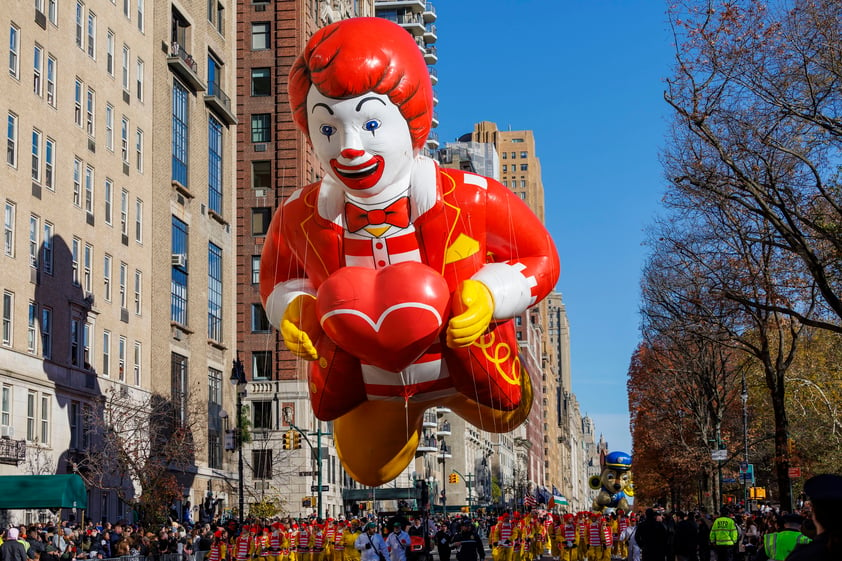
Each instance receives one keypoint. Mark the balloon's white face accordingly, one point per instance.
(363, 142)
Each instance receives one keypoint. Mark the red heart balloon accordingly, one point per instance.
(386, 317)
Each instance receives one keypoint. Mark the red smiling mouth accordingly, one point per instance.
(361, 176)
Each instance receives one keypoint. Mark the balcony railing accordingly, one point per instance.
(12, 451)
(429, 12)
(430, 420)
(182, 63)
(220, 103)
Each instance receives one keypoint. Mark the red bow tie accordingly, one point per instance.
(396, 214)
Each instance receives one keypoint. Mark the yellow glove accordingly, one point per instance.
(300, 327)
(473, 307)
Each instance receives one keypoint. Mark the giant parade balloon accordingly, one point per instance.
(398, 279)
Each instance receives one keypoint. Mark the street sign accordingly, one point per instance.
(728, 480)
(719, 455)
(743, 467)
(315, 488)
(795, 472)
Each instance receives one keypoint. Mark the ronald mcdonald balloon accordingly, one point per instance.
(397, 279)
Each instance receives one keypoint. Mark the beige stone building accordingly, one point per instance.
(118, 192)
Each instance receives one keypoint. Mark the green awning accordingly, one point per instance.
(42, 491)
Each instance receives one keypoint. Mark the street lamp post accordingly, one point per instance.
(744, 399)
(238, 380)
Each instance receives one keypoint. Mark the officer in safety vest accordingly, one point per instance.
(724, 536)
(778, 545)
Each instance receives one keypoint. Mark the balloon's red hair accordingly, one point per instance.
(359, 55)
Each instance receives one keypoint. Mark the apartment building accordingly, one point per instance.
(118, 190)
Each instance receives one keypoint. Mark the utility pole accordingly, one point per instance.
(314, 450)
(469, 479)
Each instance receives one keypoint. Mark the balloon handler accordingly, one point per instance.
(396, 278)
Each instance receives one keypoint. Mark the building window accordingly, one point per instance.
(8, 306)
(214, 292)
(77, 102)
(36, 155)
(77, 182)
(37, 70)
(14, 52)
(259, 321)
(52, 11)
(47, 249)
(106, 276)
(109, 52)
(109, 127)
(138, 354)
(51, 80)
(90, 109)
(74, 260)
(180, 131)
(121, 359)
(87, 344)
(122, 280)
(127, 9)
(32, 328)
(214, 449)
(88, 264)
(260, 129)
(34, 232)
(260, 218)
(220, 18)
(12, 140)
(262, 464)
(138, 221)
(9, 229)
(262, 415)
(179, 385)
(215, 165)
(31, 411)
(75, 420)
(178, 291)
(45, 419)
(6, 406)
(138, 291)
(91, 34)
(75, 341)
(138, 149)
(49, 164)
(524, 167)
(106, 353)
(46, 333)
(80, 25)
(140, 15)
(109, 201)
(124, 139)
(124, 212)
(255, 269)
(139, 71)
(261, 365)
(89, 190)
(261, 174)
(127, 55)
(261, 83)
(260, 36)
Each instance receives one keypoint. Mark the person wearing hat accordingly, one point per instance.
(723, 536)
(651, 537)
(370, 544)
(12, 549)
(825, 494)
(567, 538)
(778, 545)
(467, 543)
(349, 538)
(398, 542)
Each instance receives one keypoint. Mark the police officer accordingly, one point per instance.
(468, 543)
(825, 493)
(778, 545)
(724, 536)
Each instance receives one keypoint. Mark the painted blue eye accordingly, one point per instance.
(371, 125)
(327, 130)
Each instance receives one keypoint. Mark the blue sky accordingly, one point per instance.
(587, 76)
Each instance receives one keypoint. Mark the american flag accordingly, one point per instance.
(529, 501)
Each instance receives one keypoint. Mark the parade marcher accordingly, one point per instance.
(468, 544)
(620, 546)
(349, 538)
(443, 538)
(651, 537)
(778, 545)
(339, 542)
(724, 536)
(371, 545)
(319, 542)
(825, 494)
(583, 527)
(502, 538)
(398, 542)
(568, 539)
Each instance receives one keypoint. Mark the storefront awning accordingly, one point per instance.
(42, 491)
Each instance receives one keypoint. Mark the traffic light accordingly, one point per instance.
(307, 502)
(288, 440)
(296, 440)
(453, 478)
